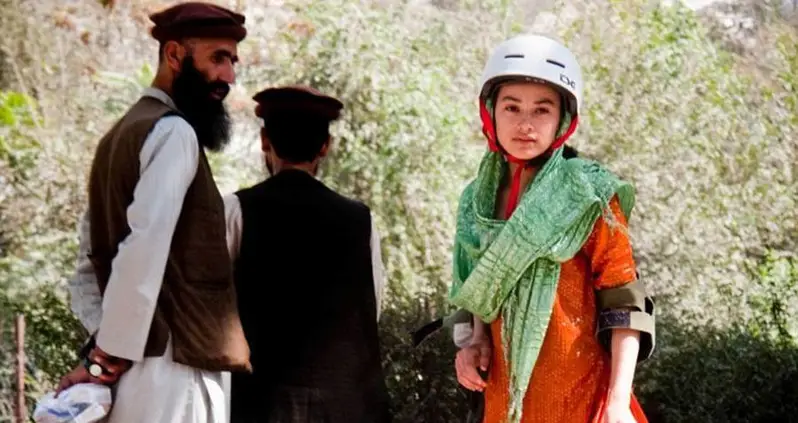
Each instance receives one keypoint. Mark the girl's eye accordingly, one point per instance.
(541, 111)
(512, 108)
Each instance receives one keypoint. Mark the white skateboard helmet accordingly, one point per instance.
(533, 58)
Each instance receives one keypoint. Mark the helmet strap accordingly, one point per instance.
(488, 126)
(515, 185)
(564, 137)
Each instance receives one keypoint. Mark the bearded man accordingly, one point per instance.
(161, 303)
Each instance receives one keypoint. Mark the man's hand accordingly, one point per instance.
(78, 375)
(113, 368)
(468, 359)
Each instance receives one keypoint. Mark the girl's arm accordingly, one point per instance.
(624, 310)
(624, 351)
(480, 331)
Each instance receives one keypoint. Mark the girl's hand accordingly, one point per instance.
(468, 359)
(619, 411)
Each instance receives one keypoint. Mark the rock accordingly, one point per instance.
(737, 23)
(734, 24)
(788, 9)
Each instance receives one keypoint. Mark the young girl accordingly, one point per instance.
(542, 256)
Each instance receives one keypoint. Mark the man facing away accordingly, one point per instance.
(168, 324)
(308, 274)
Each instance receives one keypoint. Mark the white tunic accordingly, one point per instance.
(156, 389)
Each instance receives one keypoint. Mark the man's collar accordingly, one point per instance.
(160, 95)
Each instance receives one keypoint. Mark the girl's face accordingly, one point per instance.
(527, 118)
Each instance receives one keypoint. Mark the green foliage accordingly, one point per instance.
(775, 304)
(788, 74)
(52, 338)
(18, 150)
(709, 375)
(54, 335)
(15, 109)
(125, 87)
(19, 154)
(747, 372)
(711, 156)
(421, 380)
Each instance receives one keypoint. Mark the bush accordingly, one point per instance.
(747, 372)
(708, 147)
(712, 375)
(52, 338)
(18, 158)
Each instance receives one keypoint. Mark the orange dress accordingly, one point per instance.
(571, 376)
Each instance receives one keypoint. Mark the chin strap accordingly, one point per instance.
(515, 185)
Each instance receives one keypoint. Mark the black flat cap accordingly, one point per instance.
(297, 98)
(197, 19)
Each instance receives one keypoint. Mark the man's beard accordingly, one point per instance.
(191, 92)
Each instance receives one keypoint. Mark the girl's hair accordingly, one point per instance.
(569, 152)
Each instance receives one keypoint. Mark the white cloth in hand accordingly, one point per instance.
(81, 403)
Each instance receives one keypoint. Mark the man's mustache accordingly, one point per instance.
(219, 88)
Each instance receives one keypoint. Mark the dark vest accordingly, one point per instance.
(197, 304)
(306, 299)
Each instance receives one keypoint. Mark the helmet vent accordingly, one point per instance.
(514, 56)
(555, 63)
